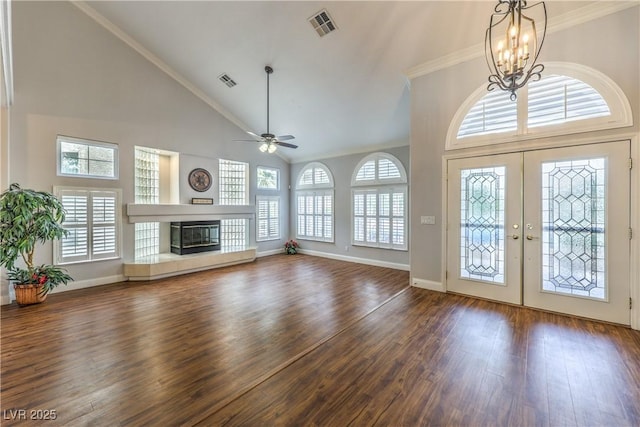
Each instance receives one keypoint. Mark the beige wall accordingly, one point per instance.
(609, 45)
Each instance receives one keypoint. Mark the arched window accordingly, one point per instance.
(314, 203)
(379, 203)
(569, 98)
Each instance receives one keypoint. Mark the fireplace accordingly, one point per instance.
(195, 236)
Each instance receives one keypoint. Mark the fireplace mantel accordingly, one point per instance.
(173, 212)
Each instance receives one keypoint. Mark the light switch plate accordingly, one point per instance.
(428, 220)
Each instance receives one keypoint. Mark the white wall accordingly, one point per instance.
(73, 77)
(342, 169)
(609, 44)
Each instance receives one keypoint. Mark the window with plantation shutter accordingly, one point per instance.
(569, 98)
(314, 203)
(379, 203)
(559, 99)
(268, 218)
(92, 222)
(494, 113)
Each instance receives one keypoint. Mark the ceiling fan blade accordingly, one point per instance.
(254, 135)
(245, 140)
(285, 137)
(285, 144)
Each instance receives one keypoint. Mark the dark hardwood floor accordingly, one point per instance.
(298, 340)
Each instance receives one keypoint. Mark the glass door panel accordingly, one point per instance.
(576, 248)
(483, 241)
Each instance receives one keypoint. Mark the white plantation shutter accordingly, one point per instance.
(104, 239)
(379, 217)
(387, 169)
(494, 113)
(92, 223)
(559, 99)
(379, 202)
(314, 198)
(268, 221)
(315, 215)
(306, 178)
(367, 172)
(75, 246)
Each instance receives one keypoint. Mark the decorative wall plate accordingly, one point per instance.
(200, 179)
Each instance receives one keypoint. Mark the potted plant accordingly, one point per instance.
(291, 247)
(28, 217)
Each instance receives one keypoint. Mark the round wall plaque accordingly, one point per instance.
(200, 179)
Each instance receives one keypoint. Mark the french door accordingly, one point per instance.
(547, 229)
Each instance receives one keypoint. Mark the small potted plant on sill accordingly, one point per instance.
(28, 217)
(291, 247)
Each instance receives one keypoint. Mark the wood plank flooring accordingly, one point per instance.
(299, 340)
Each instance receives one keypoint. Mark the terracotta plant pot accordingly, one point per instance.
(29, 294)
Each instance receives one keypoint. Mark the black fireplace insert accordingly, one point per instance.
(191, 237)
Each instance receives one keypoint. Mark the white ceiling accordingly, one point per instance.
(342, 93)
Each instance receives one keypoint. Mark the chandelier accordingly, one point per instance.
(512, 45)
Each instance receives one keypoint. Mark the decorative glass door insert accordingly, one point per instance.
(482, 225)
(573, 227)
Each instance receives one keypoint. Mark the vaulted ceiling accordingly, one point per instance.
(345, 92)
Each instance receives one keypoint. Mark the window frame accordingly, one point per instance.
(276, 170)
(90, 256)
(391, 190)
(314, 190)
(89, 143)
(621, 114)
(379, 186)
(268, 200)
(246, 182)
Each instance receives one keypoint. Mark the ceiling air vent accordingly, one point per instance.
(322, 23)
(224, 78)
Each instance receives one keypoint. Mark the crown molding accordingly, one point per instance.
(584, 14)
(147, 54)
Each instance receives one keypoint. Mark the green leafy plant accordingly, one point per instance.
(29, 217)
(291, 247)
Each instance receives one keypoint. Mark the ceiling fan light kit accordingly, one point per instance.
(269, 141)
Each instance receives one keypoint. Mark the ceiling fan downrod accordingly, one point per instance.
(268, 70)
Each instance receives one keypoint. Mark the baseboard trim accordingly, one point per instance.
(367, 261)
(4, 300)
(427, 284)
(269, 253)
(90, 283)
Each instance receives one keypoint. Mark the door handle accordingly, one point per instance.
(530, 237)
(515, 237)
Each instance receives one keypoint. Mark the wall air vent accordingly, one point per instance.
(224, 78)
(323, 23)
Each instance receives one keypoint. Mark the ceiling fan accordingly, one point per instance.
(269, 141)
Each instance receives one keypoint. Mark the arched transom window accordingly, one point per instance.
(568, 99)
